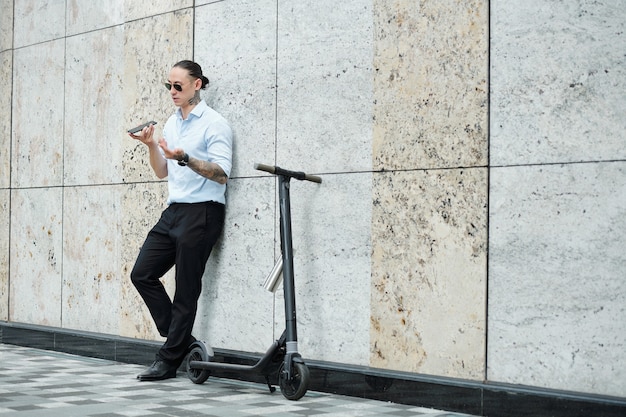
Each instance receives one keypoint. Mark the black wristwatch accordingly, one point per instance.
(183, 162)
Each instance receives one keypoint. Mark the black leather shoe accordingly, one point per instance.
(158, 371)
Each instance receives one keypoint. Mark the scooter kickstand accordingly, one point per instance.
(269, 385)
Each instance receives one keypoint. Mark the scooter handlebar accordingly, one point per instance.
(294, 174)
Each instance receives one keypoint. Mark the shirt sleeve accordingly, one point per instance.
(220, 146)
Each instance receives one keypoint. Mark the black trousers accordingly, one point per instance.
(184, 236)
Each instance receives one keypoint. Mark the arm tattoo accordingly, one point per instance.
(208, 170)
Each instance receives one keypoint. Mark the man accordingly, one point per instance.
(195, 155)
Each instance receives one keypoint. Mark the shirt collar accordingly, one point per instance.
(196, 111)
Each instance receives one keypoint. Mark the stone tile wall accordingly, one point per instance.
(470, 219)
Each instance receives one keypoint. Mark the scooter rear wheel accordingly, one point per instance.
(197, 376)
(295, 388)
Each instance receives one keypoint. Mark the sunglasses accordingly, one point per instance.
(177, 87)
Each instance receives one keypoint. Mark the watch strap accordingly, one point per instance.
(184, 161)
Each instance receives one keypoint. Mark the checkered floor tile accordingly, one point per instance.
(37, 383)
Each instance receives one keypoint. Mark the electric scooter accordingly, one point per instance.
(282, 355)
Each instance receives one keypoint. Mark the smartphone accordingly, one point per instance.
(140, 127)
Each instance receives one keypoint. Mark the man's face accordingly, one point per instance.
(179, 78)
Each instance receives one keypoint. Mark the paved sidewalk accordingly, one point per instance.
(39, 383)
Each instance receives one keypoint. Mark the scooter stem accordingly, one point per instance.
(288, 273)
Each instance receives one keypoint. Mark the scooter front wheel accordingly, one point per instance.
(197, 376)
(296, 387)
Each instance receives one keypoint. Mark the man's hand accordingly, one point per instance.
(145, 135)
(176, 154)
(209, 170)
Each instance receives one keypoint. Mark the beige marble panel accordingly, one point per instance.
(429, 249)
(149, 55)
(557, 81)
(204, 2)
(141, 207)
(6, 25)
(239, 58)
(93, 145)
(38, 21)
(4, 254)
(235, 311)
(37, 114)
(88, 15)
(91, 256)
(325, 97)
(135, 10)
(6, 69)
(430, 84)
(557, 317)
(333, 245)
(36, 256)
